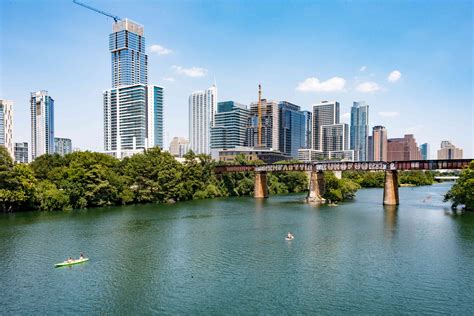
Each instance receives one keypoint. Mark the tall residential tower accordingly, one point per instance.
(133, 109)
(6, 126)
(360, 130)
(202, 107)
(42, 124)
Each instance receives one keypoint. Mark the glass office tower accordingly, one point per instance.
(360, 130)
(230, 125)
(292, 127)
(127, 48)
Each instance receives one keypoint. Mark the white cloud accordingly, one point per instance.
(368, 87)
(169, 79)
(160, 50)
(314, 85)
(394, 76)
(190, 72)
(363, 68)
(389, 114)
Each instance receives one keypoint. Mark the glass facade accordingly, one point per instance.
(42, 124)
(425, 151)
(270, 125)
(292, 128)
(325, 113)
(21, 152)
(230, 124)
(127, 48)
(202, 105)
(360, 130)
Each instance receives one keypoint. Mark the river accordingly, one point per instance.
(229, 256)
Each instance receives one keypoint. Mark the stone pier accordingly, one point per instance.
(261, 188)
(390, 190)
(317, 187)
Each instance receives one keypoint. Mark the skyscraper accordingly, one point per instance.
(370, 148)
(403, 149)
(21, 152)
(270, 125)
(6, 126)
(324, 113)
(230, 124)
(334, 137)
(127, 49)
(292, 128)
(425, 151)
(42, 124)
(202, 107)
(449, 151)
(133, 110)
(308, 126)
(379, 143)
(359, 129)
(62, 146)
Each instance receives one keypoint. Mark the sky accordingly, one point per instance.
(411, 61)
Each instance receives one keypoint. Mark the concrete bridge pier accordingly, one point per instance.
(317, 187)
(260, 190)
(390, 190)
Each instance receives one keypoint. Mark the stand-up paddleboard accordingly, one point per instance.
(286, 238)
(70, 263)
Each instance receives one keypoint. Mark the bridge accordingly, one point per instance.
(316, 173)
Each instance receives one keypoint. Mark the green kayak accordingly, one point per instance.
(70, 263)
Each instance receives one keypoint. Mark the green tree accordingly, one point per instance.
(462, 192)
(49, 198)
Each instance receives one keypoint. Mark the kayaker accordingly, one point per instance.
(70, 260)
(290, 236)
(81, 256)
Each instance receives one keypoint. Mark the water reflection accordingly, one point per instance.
(390, 220)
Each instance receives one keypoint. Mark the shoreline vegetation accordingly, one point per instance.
(89, 179)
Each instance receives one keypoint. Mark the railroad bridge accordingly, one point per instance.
(316, 173)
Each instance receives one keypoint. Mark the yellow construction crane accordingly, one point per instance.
(259, 115)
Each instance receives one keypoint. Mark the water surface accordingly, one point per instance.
(229, 256)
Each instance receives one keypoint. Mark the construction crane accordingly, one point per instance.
(259, 115)
(116, 18)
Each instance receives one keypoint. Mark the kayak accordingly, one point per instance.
(66, 263)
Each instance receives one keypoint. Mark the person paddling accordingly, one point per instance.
(81, 256)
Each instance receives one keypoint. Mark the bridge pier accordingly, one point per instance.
(317, 187)
(260, 190)
(390, 190)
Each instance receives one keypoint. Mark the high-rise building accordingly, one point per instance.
(62, 146)
(292, 128)
(308, 126)
(230, 124)
(179, 146)
(335, 137)
(425, 151)
(270, 125)
(202, 107)
(379, 143)
(449, 151)
(324, 113)
(370, 148)
(399, 149)
(42, 124)
(21, 152)
(127, 49)
(6, 126)
(359, 129)
(133, 109)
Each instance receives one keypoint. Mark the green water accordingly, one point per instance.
(229, 256)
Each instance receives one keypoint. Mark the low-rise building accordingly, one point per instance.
(266, 155)
(449, 151)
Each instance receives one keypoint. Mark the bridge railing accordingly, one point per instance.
(350, 166)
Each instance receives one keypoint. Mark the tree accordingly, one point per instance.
(462, 192)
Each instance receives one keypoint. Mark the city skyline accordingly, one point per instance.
(407, 93)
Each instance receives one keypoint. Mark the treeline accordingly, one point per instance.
(462, 192)
(376, 179)
(88, 179)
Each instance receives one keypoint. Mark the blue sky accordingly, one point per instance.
(300, 51)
